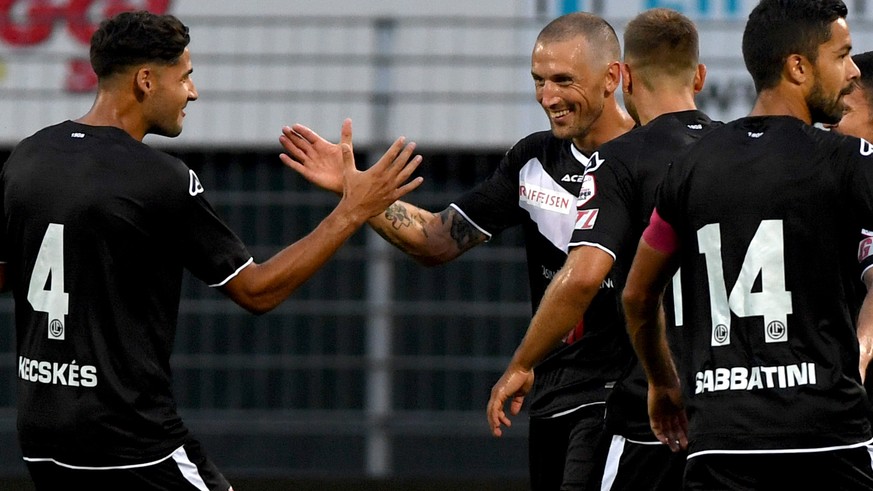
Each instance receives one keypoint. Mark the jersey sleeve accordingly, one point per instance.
(605, 220)
(859, 179)
(209, 248)
(492, 206)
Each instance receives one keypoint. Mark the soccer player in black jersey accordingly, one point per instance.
(539, 185)
(96, 230)
(661, 74)
(762, 215)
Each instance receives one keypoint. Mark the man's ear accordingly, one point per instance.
(145, 79)
(699, 78)
(613, 77)
(797, 69)
(627, 81)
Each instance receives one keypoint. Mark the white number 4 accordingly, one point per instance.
(49, 272)
(765, 257)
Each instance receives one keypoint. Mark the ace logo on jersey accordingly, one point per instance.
(194, 186)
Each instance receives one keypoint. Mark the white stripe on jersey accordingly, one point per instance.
(783, 450)
(188, 469)
(616, 448)
(471, 222)
(568, 411)
(89, 468)
(233, 275)
(595, 245)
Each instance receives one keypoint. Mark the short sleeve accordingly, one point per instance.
(605, 218)
(492, 206)
(209, 248)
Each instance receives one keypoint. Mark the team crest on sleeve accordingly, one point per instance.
(865, 248)
(587, 191)
(585, 218)
(194, 186)
(866, 148)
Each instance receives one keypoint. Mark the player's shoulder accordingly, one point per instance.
(666, 133)
(844, 144)
(680, 125)
(543, 147)
(824, 145)
(537, 142)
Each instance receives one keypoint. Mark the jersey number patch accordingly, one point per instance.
(46, 289)
(765, 257)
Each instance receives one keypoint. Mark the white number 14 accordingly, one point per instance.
(765, 257)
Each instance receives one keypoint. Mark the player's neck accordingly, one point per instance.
(658, 103)
(111, 110)
(779, 101)
(612, 123)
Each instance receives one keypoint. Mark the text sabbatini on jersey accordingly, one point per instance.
(754, 378)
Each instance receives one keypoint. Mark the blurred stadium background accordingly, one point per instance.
(375, 374)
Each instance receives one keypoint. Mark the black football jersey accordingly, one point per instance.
(632, 167)
(767, 211)
(97, 228)
(541, 184)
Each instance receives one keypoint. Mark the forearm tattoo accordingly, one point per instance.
(464, 234)
(399, 217)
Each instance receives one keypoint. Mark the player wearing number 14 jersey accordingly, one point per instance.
(762, 216)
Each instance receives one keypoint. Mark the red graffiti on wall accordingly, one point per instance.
(32, 22)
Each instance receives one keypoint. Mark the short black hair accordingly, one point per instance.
(777, 29)
(131, 38)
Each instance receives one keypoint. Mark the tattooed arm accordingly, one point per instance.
(429, 238)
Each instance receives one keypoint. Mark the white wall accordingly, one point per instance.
(457, 72)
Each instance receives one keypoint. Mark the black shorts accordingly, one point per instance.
(563, 450)
(845, 470)
(185, 469)
(641, 466)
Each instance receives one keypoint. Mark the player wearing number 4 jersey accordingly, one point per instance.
(762, 215)
(96, 230)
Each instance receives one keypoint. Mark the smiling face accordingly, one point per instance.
(570, 85)
(834, 76)
(172, 90)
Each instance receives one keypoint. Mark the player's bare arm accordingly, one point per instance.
(865, 327)
(562, 308)
(261, 287)
(428, 237)
(649, 274)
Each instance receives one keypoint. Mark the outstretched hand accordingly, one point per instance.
(368, 193)
(667, 416)
(316, 159)
(515, 384)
